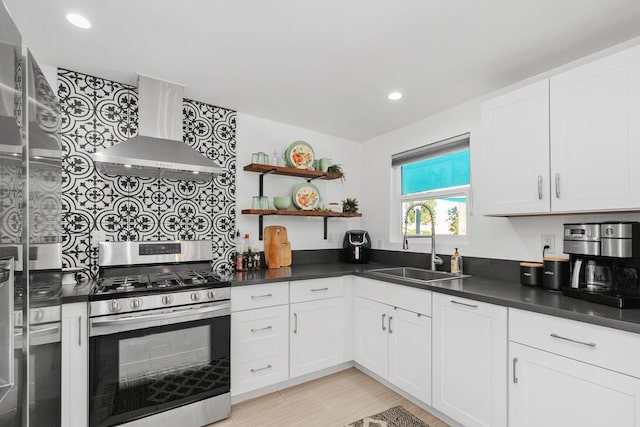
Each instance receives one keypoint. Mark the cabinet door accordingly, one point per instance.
(372, 338)
(551, 390)
(75, 365)
(317, 335)
(469, 359)
(410, 353)
(515, 152)
(595, 135)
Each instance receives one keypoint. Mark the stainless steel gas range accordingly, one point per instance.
(159, 336)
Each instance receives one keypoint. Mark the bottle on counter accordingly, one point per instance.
(256, 261)
(239, 250)
(456, 262)
(246, 243)
(249, 256)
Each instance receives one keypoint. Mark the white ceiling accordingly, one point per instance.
(326, 65)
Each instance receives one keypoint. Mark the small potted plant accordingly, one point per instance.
(335, 171)
(350, 205)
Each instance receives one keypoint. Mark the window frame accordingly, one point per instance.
(397, 199)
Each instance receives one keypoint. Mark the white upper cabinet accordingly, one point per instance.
(515, 152)
(595, 135)
(568, 144)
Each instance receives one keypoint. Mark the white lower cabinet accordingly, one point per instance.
(568, 373)
(317, 335)
(555, 391)
(259, 348)
(410, 352)
(470, 360)
(372, 338)
(259, 336)
(396, 345)
(75, 365)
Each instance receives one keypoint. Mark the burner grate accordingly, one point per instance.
(137, 394)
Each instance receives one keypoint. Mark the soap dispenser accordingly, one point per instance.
(456, 262)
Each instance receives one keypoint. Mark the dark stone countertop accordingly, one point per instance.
(299, 272)
(77, 293)
(491, 290)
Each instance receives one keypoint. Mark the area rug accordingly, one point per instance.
(392, 417)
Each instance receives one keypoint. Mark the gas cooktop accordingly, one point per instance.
(110, 287)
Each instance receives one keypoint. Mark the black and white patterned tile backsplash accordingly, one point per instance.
(98, 113)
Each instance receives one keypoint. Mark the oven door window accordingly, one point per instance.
(137, 373)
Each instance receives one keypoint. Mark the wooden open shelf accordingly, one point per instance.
(281, 170)
(309, 175)
(299, 213)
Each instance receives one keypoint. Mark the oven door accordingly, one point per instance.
(145, 363)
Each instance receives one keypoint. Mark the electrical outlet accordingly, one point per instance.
(379, 243)
(549, 240)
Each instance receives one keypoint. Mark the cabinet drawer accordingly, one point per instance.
(598, 345)
(258, 372)
(259, 332)
(315, 289)
(405, 297)
(259, 296)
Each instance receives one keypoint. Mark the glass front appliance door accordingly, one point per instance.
(137, 373)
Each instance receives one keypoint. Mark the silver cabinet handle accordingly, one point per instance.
(79, 331)
(515, 378)
(383, 316)
(588, 344)
(319, 289)
(463, 303)
(295, 323)
(557, 185)
(390, 330)
(261, 329)
(261, 369)
(261, 296)
(540, 187)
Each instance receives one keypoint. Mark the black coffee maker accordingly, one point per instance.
(357, 246)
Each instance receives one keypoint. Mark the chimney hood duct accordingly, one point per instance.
(158, 151)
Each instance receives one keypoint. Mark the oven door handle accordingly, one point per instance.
(106, 325)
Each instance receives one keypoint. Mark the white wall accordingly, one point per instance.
(257, 134)
(506, 238)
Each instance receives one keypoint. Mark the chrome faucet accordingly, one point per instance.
(435, 259)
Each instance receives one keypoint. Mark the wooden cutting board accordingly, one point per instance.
(285, 254)
(277, 249)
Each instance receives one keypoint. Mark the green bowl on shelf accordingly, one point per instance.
(281, 203)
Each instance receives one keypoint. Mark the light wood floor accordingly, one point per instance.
(334, 400)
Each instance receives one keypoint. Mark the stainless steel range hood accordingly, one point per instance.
(158, 151)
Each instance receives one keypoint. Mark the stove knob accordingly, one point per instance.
(167, 299)
(195, 296)
(136, 303)
(212, 294)
(115, 306)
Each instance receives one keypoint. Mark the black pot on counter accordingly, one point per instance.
(357, 246)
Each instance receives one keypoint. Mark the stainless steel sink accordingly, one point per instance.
(416, 274)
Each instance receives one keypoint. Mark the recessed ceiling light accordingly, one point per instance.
(128, 166)
(78, 20)
(394, 96)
